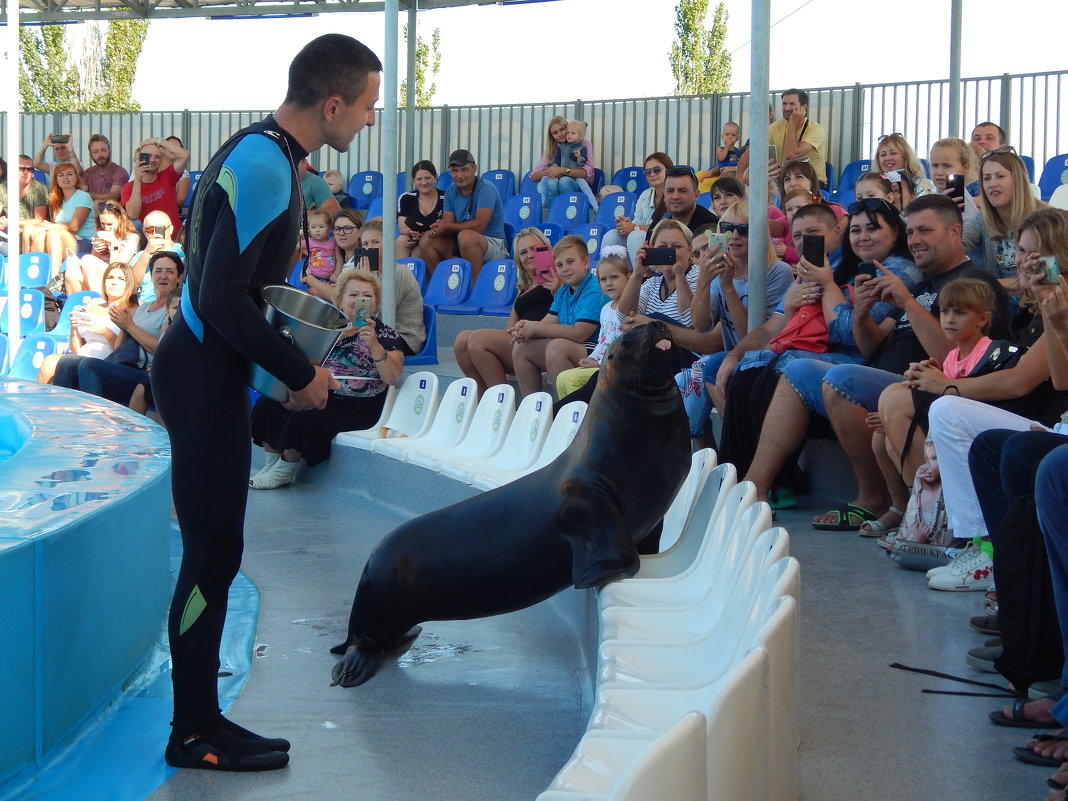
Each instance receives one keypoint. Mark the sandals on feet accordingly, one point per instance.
(1019, 720)
(849, 516)
(877, 528)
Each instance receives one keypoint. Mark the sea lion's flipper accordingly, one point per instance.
(594, 526)
(362, 661)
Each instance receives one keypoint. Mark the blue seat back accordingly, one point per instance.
(523, 210)
(61, 332)
(374, 209)
(832, 179)
(705, 199)
(502, 180)
(1029, 163)
(294, 276)
(365, 187)
(403, 181)
(852, 171)
(31, 353)
(1054, 174)
(592, 233)
(194, 179)
(617, 204)
(527, 186)
(418, 268)
(553, 231)
(598, 180)
(429, 353)
(31, 313)
(450, 284)
(494, 288)
(631, 179)
(444, 180)
(34, 269)
(569, 210)
(40, 175)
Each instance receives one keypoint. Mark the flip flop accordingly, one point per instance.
(1018, 720)
(847, 514)
(1025, 754)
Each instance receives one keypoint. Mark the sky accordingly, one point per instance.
(604, 49)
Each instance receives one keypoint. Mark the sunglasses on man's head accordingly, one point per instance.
(741, 228)
(869, 204)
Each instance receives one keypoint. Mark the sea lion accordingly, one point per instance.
(575, 521)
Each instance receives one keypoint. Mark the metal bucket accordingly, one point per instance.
(309, 324)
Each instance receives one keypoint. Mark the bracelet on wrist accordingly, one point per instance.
(385, 355)
(954, 387)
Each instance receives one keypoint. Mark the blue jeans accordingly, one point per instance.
(860, 385)
(806, 377)
(99, 377)
(1051, 500)
(691, 383)
(549, 188)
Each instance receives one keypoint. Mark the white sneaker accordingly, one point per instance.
(269, 461)
(972, 573)
(967, 552)
(280, 475)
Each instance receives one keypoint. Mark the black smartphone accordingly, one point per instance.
(956, 184)
(59, 139)
(370, 253)
(772, 155)
(659, 256)
(866, 268)
(812, 248)
(144, 158)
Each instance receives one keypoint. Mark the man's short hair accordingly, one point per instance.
(802, 95)
(682, 172)
(99, 138)
(988, 124)
(333, 64)
(945, 208)
(816, 211)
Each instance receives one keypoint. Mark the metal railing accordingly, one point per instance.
(1033, 108)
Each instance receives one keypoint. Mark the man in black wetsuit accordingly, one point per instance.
(242, 236)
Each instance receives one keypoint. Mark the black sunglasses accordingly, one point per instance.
(652, 170)
(741, 228)
(870, 204)
(1001, 151)
(107, 205)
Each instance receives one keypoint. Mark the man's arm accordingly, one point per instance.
(481, 220)
(794, 145)
(178, 155)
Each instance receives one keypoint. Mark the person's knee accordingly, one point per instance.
(896, 402)
(469, 240)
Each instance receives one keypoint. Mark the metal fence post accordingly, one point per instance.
(858, 123)
(1006, 105)
(445, 135)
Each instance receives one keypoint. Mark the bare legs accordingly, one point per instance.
(851, 427)
(783, 432)
(485, 355)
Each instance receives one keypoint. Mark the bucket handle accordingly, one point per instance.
(287, 334)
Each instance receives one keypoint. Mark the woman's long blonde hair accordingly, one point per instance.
(550, 143)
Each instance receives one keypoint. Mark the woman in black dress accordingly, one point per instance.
(485, 354)
(419, 209)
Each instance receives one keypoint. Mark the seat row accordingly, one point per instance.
(697, 672)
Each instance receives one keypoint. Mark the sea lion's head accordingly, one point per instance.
(639, 361)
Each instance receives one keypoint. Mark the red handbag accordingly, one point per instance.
(806, 330)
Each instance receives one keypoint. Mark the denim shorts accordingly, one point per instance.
(860, 385)
(806, 377)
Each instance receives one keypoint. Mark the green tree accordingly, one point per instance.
(427, 65)
(699, 62)
(97, 78)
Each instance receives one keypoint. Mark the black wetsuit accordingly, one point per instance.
(241, 237)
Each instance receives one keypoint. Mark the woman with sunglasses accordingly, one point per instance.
(116, 240)
(990, 239)
(895, 154)
(73, 218)
(630, 231)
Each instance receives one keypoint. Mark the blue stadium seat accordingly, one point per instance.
(403, 181)
(705, 199)
(194, 179)
(851, 172)
(1029, 162)
(845, 197)
(61, 332)
(569, 210)
(418, 268)
(429, 353)
(495, 287)
(509, 238)
(1054, 174)
(592, 233)
(553, 231)
(34, 269)
(450, 284)
(39, 175)
(617, 204)
(444, 180)
(365, 187)
(523, 210)
(4, 346)
(294, 276)
(528, 186)
(832, 178)
(632, 179)
(374, 209)
(598, 180)
(31, 313)
(502, 180)
(501, 308)
(27, 360)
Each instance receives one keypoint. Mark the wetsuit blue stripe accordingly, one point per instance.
(196, 325)
(263, 163)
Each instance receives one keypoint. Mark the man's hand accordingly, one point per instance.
(315, 394)
(889, 288)
(865, 295)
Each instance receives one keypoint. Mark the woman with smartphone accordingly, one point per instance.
(630, 231)
(990, 239)
(418, 209)
(367, 359)
(895, 154)
(485, 354)
(73, 218)
(116, 240)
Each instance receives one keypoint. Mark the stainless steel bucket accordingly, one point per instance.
(309, 324)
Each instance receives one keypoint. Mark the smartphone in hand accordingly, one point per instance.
(812, 248)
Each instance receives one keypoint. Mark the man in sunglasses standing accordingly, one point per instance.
(104, 179)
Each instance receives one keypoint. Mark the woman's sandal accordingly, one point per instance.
(877, 528)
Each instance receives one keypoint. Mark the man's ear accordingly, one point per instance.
(330, 107)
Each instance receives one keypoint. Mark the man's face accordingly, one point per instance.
(343, 121)
(100, 153)
(986, 137)
(25, 172)
(158, 228)
(813, 226)
(463, 175)
(932, 243)
(62, 151)
(155, 157)
(679, 196)
(790, 104)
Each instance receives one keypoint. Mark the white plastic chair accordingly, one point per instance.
(519, 447)
(701, 464)
(563, 430)
(484, 436)
(411, 413)
(455, 410)
(1059, 198)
